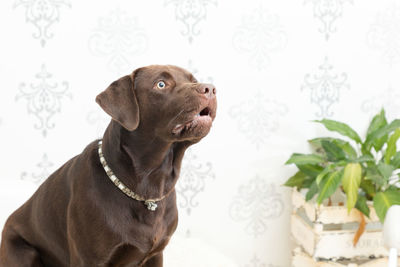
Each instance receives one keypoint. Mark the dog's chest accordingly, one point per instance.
(127, 254)
(141, 241)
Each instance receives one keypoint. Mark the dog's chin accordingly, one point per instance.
(194, 129)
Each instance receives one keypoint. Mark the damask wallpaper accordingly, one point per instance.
(277, 65)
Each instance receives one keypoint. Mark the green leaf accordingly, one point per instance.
(308, 181)
(322, 174)
(377, 122)
(368, 187)
(381, 132)
(333, 152)
(391, 146)
(396, 160)
(362, 205)
(296, 180)
(301, 159)
(351, 182)
(348, 149)
(329, 185)
(316, 144)
(364, 158)
(341, 128)
(384, 200)
(312, 191)
(385, 170)
(378, 143)
(310, 170)
(373, 175)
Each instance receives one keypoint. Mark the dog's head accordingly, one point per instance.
(164, 100)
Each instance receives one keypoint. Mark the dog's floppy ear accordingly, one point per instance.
(119, 101)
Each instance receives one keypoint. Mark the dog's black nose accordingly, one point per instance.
(208, 90)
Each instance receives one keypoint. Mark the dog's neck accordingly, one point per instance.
(146, 164)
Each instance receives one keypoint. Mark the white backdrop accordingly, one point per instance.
(277, 65)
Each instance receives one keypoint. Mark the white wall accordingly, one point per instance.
(277, 65)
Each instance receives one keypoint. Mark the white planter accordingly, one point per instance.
(327, 232)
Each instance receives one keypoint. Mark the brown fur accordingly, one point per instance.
(78, 217)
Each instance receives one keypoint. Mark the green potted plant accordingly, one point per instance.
(364, 169)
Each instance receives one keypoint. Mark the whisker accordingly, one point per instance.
(179, 113)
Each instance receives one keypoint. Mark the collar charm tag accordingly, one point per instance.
(151, 205)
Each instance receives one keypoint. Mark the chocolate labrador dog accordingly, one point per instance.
(115, 203)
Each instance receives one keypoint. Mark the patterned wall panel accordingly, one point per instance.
(325, 88)
(276, 68)
(193, 179)
(258, 36)
(42, 15)
(384, 34)
(388, 98)
(258, 117)
(43, 169)
(44, 98)
(117, 38)
(190, 14)
(327, 13)
(255, 204)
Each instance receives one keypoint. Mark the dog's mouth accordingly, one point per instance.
(200, 122)
(204, 112)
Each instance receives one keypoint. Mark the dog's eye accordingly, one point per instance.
(161, 85)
